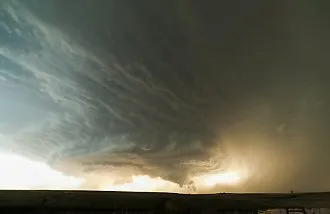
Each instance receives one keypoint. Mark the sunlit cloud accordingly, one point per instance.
(230, 178)
(226, 179)
(144, 183)
(209, 180)
(18, 172)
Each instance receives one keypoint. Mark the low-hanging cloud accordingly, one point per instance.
(170, 91)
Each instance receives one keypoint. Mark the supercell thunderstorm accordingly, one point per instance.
(173, 96)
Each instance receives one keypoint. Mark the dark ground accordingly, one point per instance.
(90, 201)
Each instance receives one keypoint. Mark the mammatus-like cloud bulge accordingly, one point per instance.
(173, 96)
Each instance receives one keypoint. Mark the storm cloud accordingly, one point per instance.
(169, 89)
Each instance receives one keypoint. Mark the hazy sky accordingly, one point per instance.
(197, 96)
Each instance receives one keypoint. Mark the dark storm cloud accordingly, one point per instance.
(153, 85)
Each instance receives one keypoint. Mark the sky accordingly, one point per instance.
(175, 96)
